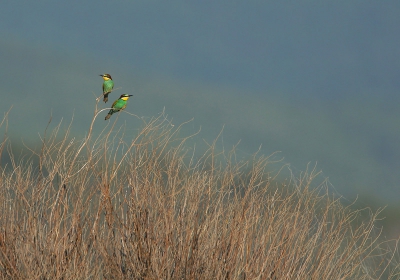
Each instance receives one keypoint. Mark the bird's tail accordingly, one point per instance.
(105, 99)
(109, 114)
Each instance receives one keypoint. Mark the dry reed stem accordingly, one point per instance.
(121, 206)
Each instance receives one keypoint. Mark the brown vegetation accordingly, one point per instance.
(108, 208)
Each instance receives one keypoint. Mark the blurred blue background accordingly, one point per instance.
(316, 80)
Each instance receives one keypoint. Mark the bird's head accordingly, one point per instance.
(125, 96)
(106, 77)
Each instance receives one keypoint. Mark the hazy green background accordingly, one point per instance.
(316, 80)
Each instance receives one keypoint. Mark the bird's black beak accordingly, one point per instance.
(101, 75)
(130, 95)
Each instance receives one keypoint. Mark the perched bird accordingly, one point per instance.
(118, 105)
(108, 86)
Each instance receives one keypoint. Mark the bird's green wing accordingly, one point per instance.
(108, 86)
(120, 104)
(114, 105)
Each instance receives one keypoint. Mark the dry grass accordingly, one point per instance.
(108, 208)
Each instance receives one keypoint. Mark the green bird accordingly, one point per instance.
(118, 105)
(108, 86)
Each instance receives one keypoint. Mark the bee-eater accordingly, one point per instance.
(108, 86)
(118, 105)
